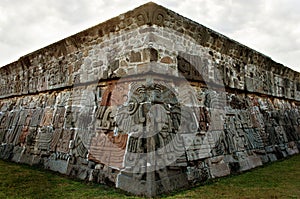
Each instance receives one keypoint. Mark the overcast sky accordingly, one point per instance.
(271, 27)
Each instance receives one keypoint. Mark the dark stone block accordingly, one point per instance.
(6, 151)
(234, 167)
(135, 57)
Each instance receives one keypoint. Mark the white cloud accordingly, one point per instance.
(270, 26)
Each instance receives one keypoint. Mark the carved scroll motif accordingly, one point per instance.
(59, 117)
(43, 139)
(105, 117)
(80, 149)
(47, 117)
(55, 139)
(151, 16)
(36, 117)
(64, 141)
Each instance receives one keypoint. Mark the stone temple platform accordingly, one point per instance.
(148, 102)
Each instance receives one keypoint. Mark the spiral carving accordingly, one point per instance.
(158, 17)
(142, 18)
(151, 16)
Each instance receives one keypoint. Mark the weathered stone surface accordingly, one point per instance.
(148, 102)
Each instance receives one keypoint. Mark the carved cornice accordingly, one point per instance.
(153, 14)
(150, 14)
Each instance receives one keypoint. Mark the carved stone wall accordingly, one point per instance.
(148, 102)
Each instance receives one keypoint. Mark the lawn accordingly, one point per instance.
(277, 180)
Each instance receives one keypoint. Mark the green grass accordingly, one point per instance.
(277, 180)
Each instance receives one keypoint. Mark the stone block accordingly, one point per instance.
(17, 153)
(58, 165)
(135, 57)
(244, 165)
(272, 157)
(219, 170)
(264, 158)
(150, 187)
(58, 162)
(6, 151)
(254, 161)
(292, 148)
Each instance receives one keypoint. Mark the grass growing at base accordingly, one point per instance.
(277, 180)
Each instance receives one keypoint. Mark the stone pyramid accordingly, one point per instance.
(149, 102)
